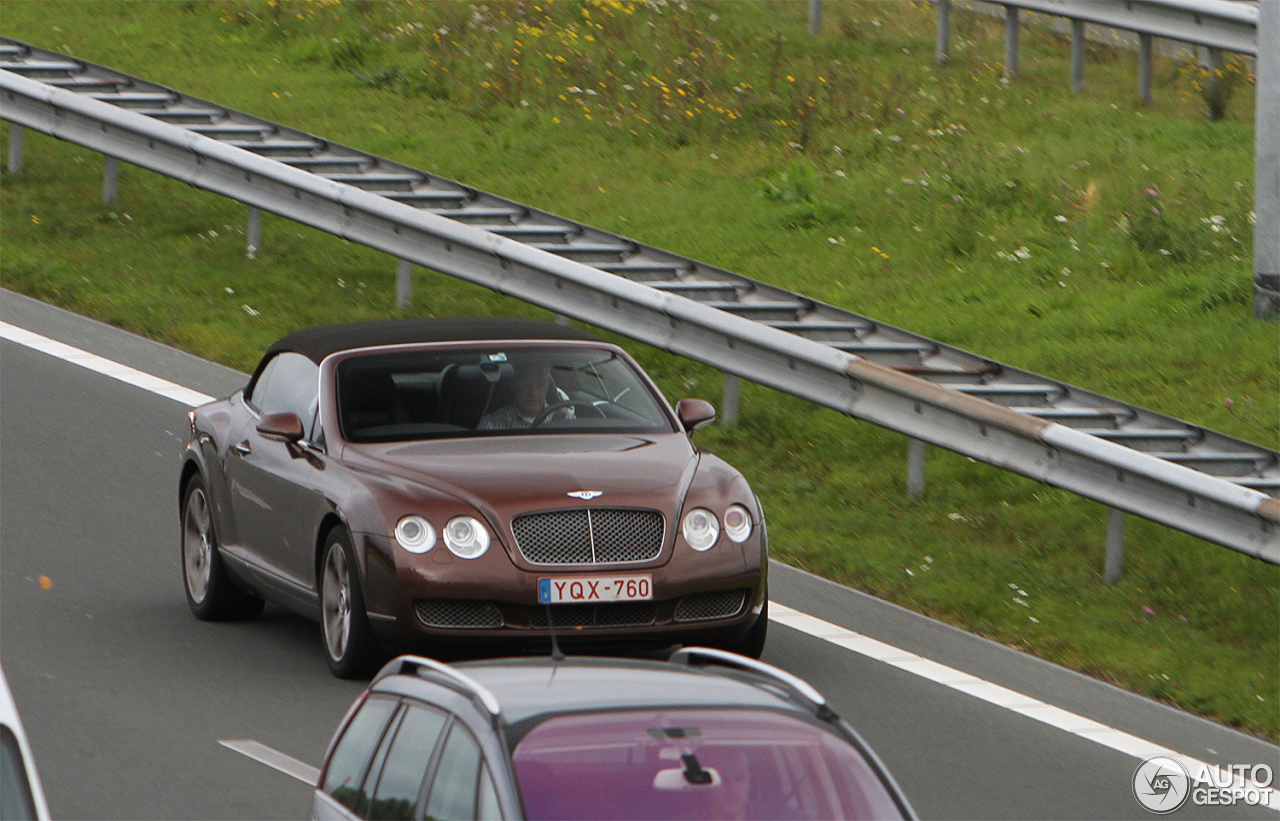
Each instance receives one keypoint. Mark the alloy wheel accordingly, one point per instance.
(336, 602)
(197, 546)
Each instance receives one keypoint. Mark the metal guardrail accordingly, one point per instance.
(1229, 25)
(1127, 457)
(1241, 26)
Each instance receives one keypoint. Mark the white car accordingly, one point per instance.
(21, 796)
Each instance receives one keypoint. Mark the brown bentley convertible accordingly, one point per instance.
(431, 484)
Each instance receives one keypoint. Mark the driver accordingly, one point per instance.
(532, 383)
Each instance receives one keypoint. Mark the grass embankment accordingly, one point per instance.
(1082, 237)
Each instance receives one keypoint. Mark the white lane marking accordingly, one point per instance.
(275, 759)
(1011, 700)
(902, 659)
(93, 362)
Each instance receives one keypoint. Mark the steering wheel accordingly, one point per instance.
(572, 403)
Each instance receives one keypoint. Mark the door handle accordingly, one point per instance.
(243, 448)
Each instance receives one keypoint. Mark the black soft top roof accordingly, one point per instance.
(319, 342)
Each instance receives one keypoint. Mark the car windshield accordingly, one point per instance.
(694, 763)
(432, 393)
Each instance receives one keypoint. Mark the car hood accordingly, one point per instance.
(506, 475)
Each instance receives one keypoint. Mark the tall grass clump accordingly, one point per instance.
(1085, 237)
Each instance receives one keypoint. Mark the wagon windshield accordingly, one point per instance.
(694, 763)
(502, 390)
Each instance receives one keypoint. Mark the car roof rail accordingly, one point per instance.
(418, 665)
(796, 685)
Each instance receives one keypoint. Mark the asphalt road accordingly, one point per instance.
(125, 695)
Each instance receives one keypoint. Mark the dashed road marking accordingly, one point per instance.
(274, 759)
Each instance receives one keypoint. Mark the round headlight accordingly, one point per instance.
(466, 537)
(737, 523)
(415, 534)
(700, 528)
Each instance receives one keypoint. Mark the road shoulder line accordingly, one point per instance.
(962, 682)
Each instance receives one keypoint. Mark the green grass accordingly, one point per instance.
(1070, 235)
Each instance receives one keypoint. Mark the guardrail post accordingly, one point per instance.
(15, 148)
(1266, 168)
(1144, 67)
(942, 55)
(729, 417)
(1010, 43)
(1115, 546)
(915, 468)
(254, 232)
(1213, 88)
(110, 179)
(404, 283)
(815, 16)
(1077, 56)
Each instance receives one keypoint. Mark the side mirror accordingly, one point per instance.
(286, 426)
(695, 413)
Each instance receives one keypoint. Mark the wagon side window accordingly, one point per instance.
(345, 777)
(16, 800)
(455, 787)
(400, 781)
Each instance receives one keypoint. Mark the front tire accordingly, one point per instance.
(211, 593)
(349, 644)
(752, 644)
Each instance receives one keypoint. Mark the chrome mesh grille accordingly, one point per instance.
(718, 604)
(457, 613)
(616, 614)
(589, 536)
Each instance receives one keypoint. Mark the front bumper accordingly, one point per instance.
(437, 604)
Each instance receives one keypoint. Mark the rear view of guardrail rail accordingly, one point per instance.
(1134, 460)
